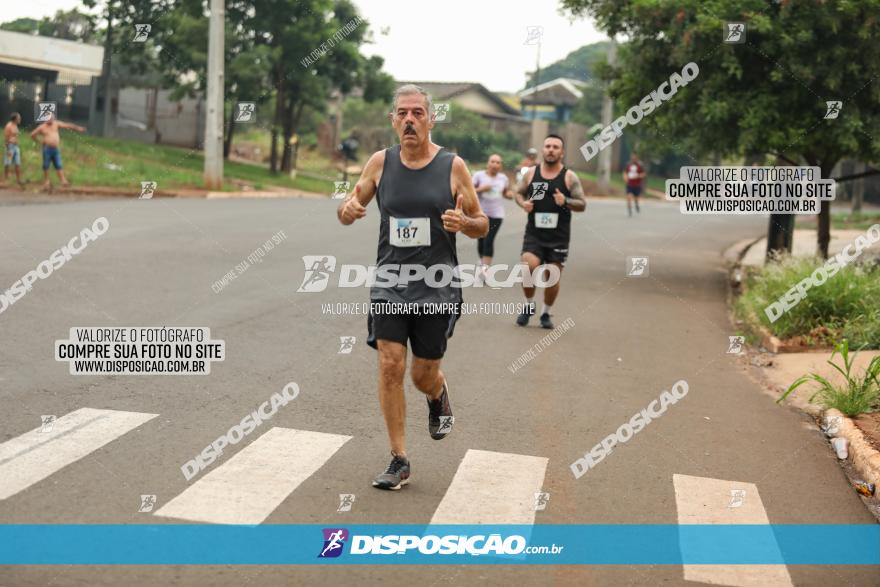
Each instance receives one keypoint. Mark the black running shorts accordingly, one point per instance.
(427, 333)
(546, 253)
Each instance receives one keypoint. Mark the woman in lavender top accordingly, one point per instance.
(491, 187)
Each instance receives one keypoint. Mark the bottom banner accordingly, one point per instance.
(176, 544)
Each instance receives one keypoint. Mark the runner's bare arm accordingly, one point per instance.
(576, 202)
(355, 205)
(37, 131)
(467, 216)
(523, 187)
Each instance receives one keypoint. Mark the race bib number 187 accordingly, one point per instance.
(410, 232)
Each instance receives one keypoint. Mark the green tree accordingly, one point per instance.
(765, 96)
(307, 65)
(588, 110)
(30, 26)
(71, 25)
(469, 135)
(119, 18)
(265, 44)
(180, 38)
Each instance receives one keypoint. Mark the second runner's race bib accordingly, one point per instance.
(410, 232)
(546, 219)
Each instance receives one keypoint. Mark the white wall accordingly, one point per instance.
(53, 54)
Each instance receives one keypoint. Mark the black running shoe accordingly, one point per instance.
(528, 312)
(395, 476)
(440, 416)
(545, 321)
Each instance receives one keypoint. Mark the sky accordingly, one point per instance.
(454, 40)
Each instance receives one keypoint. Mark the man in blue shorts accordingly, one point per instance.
(51, 138)
(12, 153)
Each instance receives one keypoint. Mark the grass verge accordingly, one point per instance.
(96, 161)
(844, 220)
(845, 306)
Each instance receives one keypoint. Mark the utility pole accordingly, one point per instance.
(607, 113)
(537, 79)
(214, 102)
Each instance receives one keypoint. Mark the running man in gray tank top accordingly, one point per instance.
(425, 196)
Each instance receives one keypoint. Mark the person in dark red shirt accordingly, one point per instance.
(633, 176)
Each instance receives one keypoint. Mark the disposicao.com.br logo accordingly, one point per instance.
(320, 268)
(429, 544)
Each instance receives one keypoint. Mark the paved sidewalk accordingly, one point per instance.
(803, 245)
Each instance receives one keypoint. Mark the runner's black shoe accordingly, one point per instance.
(395, 476)
(440, 416)
(528, 312)
(545, 321)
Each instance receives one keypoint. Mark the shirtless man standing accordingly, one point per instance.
(51, 131)
(12, 156)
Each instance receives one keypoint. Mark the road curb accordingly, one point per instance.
(864, 457)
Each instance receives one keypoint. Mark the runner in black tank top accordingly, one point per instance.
(549, 194)
(425, 196)
(552, 229)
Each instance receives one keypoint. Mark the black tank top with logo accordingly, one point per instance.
(411, 203)
(549, 223)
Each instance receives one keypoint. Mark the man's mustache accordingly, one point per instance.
(409, 130)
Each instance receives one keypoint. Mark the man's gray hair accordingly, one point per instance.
(407, 90)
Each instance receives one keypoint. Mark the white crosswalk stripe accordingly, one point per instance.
(492, 488)
(249, 486)
(33, 456)
(701, 500)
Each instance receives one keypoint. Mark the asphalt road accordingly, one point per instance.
(632, 338)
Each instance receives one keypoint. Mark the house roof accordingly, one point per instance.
(559, 91)
(446, 90)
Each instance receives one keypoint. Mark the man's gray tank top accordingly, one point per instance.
(408, 196)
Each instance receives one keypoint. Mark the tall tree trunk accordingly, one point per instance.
(780, 235)
(823, 235)
(276, 123)
(288, 132)
(780, 231)
(273, 151)
(230, 130)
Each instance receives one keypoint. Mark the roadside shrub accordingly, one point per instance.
(860, 394)
(845, 306)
